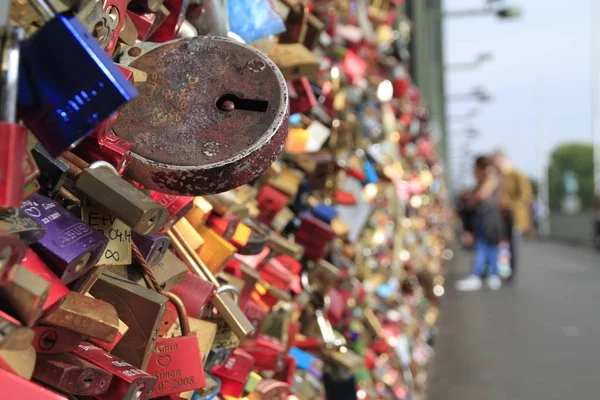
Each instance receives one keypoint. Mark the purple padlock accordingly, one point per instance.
(152, 247)
(70, 247)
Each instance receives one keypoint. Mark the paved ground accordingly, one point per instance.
(536, 340)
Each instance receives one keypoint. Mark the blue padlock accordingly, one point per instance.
(67, 83)
(306, 361)
(370, 173)
(324, 212)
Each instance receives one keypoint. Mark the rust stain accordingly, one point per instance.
(183, 144)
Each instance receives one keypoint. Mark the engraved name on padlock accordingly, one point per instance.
(176, 362)
(70, 247)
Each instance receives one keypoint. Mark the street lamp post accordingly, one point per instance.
(478, 93)
(467, 66)
(504, 12)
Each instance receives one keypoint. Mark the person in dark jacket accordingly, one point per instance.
(487, 227)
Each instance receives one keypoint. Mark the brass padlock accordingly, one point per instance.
(13, 336)
(25, 296)
(118, 249)
(228, 308)
(125, 201)
(85, 315)
(141, 309)
(294, 60)
(20, 362)
(204, 330)
(287, 181)
(200, 211)
(216, 251)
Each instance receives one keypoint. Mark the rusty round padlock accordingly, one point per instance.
(211, 116)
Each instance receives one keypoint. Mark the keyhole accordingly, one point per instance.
(230, 102)
(87, 381)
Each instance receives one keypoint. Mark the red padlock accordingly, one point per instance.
(337, 306)
(234, 372)
(266, 350)
(176, 362)
(344, 198)
(253, 260)
(52, 339)
(255, 315)
(276, 274)
(177, 206)
(14, 387)
(270, 202)
(287, 370)
(146, 23)
(128, 382)
(117, 12)
(12, 152)
(304, 99)
(270, 389)
(57, 291)
(195, 292)
(314, 235)
(108, 148)
(171, 26)
(169, 319)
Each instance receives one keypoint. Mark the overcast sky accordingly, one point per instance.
(541, 61)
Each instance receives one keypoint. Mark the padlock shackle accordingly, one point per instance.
(181, 312)
(44, 9)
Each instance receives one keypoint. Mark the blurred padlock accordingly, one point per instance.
(24, 297)
(19, 362)
(12, 251)
(234, 372)
(13, 336)
(53, 171)
(61, 107)
(12, 134)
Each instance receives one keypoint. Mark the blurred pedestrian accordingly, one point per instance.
(487, 227)
(515, 199)
(466, 218)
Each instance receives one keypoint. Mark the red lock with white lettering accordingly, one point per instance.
(128, 382)
(176, 362)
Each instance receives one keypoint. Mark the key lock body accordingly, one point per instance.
(211, 116)
(176, 362)
(70, 247)
(66, 91)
